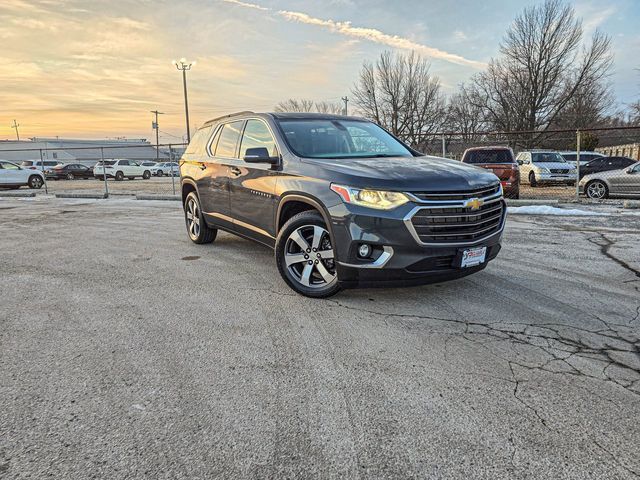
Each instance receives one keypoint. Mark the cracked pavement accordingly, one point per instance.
(128, 352)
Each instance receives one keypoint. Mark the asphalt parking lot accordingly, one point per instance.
(129, 352)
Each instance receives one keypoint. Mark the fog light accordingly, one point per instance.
(364, 251)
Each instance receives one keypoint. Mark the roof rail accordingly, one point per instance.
(209, 122)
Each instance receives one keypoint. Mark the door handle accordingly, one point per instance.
(236, 171)
(203, 166)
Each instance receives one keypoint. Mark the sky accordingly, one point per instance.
(96, 68)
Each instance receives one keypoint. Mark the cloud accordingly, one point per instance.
(370, 34)
(593, 15)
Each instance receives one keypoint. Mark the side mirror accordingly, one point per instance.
(520, 162)
(259, 155)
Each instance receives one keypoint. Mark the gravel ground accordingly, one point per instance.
(126, 351)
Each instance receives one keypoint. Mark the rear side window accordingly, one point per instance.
(597, 163)
(257, 135)
(123, 162)
(198, 142)
(488, 156)
(228, 141)
(27, 163)
(570, 157)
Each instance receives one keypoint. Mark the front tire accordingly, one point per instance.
(596, 189)
(70, 176)
(119, 176)
(159, 173)
(146, 175)
(35, 182)
(197, 229)
(305, 256)
(532, 179)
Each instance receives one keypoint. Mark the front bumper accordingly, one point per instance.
(555, 178)
(401, 259)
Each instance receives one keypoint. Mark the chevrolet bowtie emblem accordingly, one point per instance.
(474, 203)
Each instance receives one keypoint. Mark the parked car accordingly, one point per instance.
(545, 167)
(45, 166)
(585, 157)
(71, 171)
(605, 164)
(121, 169)
(501, 161)
(166, 168)
(342, 201)
(613, 183)
(14, 176)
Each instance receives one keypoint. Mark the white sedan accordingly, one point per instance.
(13, 176)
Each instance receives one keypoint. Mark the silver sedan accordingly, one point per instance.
(614, 183)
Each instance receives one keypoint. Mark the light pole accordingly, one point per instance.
(184, 66)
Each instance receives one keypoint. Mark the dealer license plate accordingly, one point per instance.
(473, 256)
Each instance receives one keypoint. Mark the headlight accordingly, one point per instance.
(379, 199)
(544, 170)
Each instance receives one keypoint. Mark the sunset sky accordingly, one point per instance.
(94, 69)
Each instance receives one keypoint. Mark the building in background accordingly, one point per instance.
(631, 150)
(86, 152)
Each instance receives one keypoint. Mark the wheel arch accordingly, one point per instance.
(294, 203)
(188, 186)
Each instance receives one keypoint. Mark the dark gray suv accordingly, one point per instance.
(343, 202)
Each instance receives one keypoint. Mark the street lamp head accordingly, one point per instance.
(193, 64)
(183, 60)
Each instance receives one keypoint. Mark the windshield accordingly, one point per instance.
(488, 156)
(547, 157)
(340, 139)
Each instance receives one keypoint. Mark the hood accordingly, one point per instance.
(555, 165)
(407, 173)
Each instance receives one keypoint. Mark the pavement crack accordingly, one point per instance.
(616, 459)
(605, 247)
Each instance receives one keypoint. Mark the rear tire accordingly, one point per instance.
(70, 176)
(197, 229)
(305, 238)
(532, 179)
(35, 182)
(119, 176)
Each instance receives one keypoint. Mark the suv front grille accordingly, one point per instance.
(558, 170)
(466, 195)
(438, 225)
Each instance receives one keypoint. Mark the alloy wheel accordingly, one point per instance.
(193, 218)
(596, 190)
(36, 182)
(309, 256)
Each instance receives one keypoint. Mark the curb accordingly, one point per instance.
(631, 204)
(81, 195)
(18, 194)
(524, 203)
(159, 197)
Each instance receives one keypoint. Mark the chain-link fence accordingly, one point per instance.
(130, 170)
(564, 164)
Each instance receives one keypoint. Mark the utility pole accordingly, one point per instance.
(156, 127)
(184, 66)
(345, 99)
(16, 125)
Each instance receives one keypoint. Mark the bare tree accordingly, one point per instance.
(541, 69)
(304, 105)
(329, 107)
(465, 115)
(399, 93)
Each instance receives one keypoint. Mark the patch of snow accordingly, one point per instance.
(549, 210)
